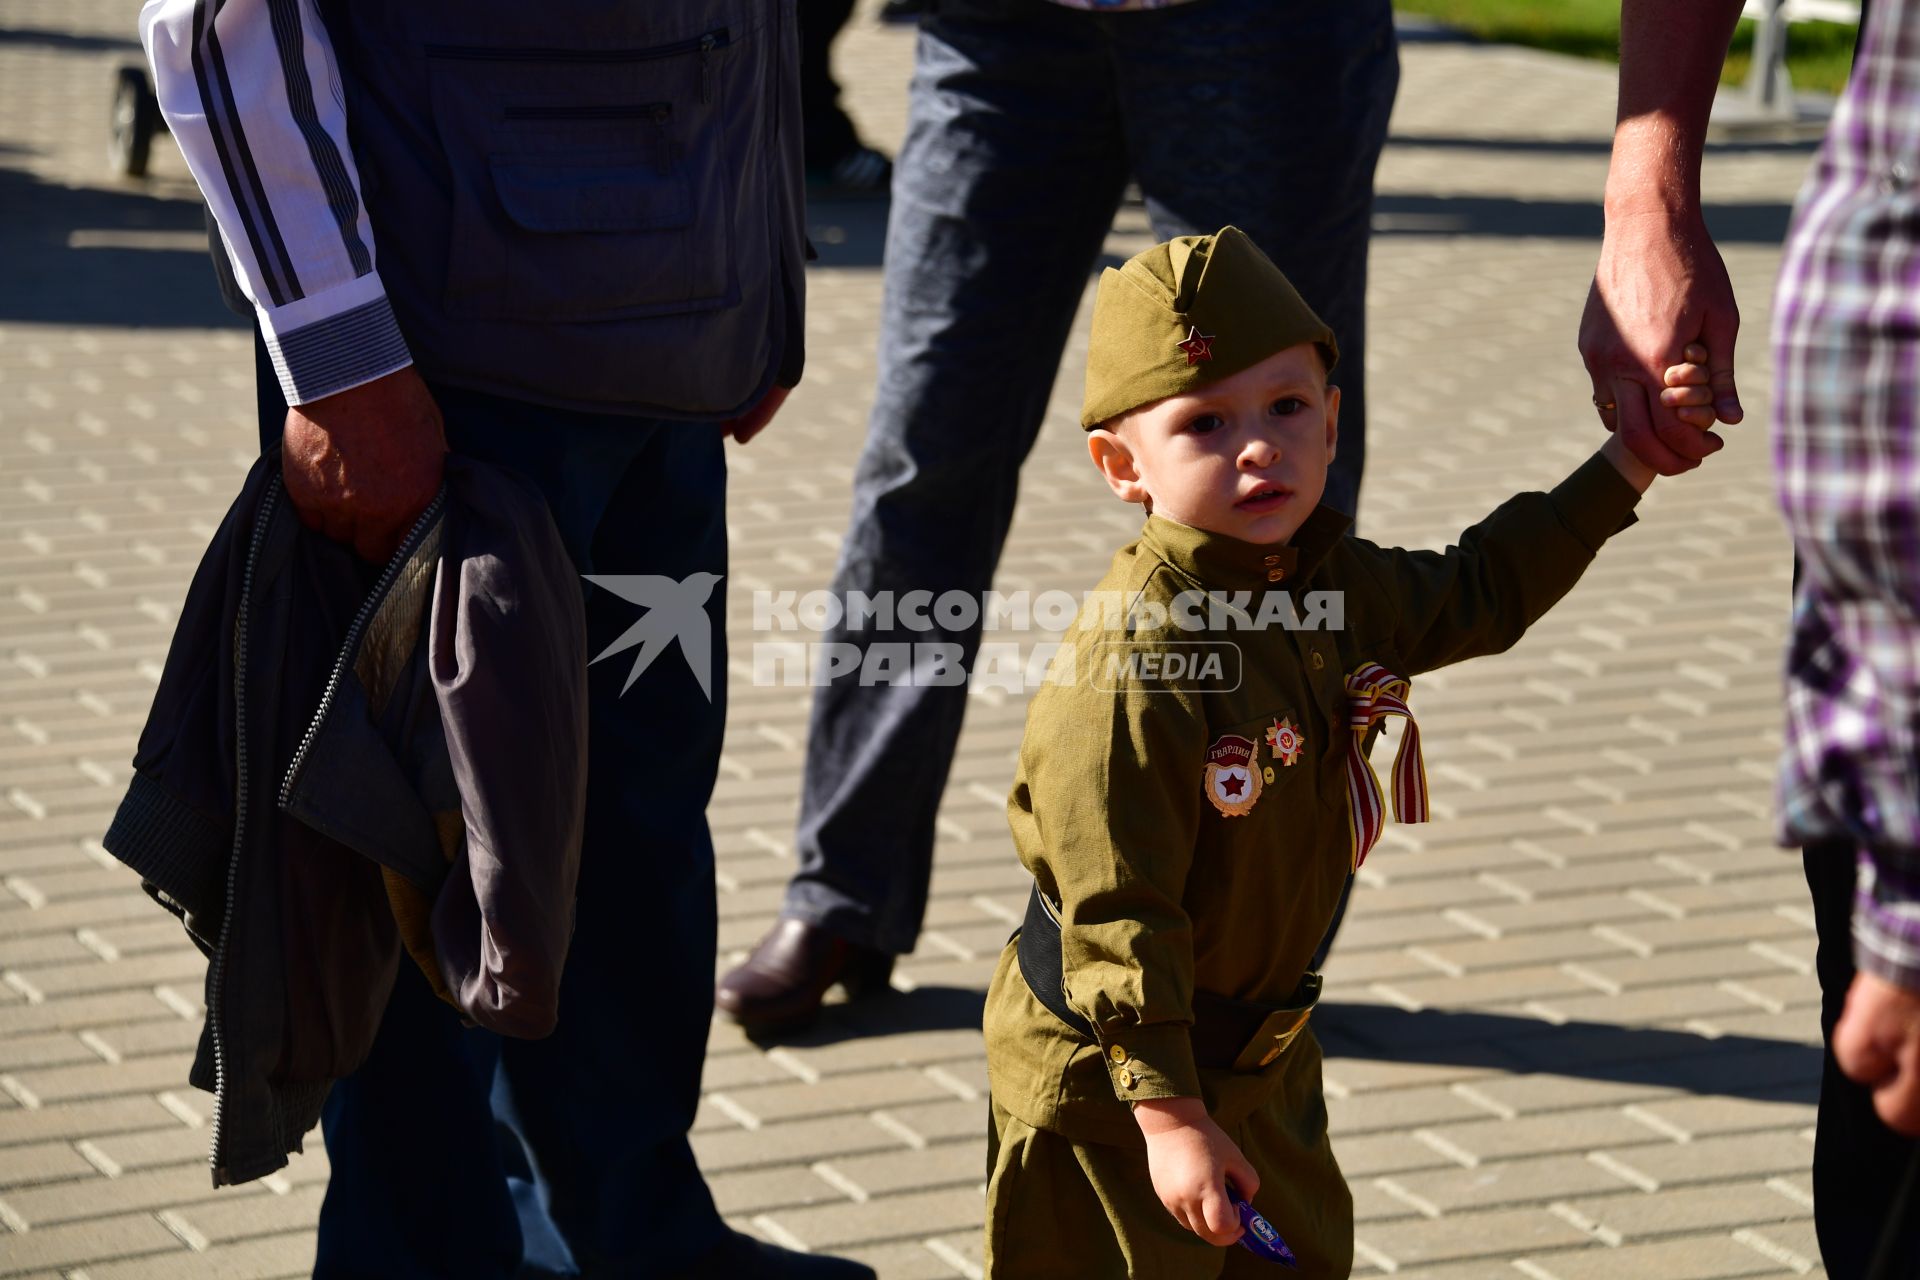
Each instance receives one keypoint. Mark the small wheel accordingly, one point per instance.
(134, 121)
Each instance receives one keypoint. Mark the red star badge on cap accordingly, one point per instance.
(1198, 346)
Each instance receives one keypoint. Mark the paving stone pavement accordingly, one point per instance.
(1571, 1024)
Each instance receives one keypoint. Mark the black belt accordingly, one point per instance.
(1225, 1033)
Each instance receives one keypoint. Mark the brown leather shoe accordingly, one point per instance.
(779, 987)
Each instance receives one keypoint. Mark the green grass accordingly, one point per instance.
(1818, 53)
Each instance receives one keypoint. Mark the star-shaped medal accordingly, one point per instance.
(1198, 346)
(1285, 740)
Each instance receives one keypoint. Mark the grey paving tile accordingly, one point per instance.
(99, 1196)
(106, 1079)
(904, 1261)
(1414, 1243)
(1708, 1257)
(149, 1148)
(1499, 1183)
(84, 1119)
(41, 1162)
(944, 1164)
(121, 1236)
(269, 1258)
(913, 1215)
(783, 1187)
(1636, 1215)
(815, 1139)
(236, 1217)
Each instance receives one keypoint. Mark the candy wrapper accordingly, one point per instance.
(1260, 1236)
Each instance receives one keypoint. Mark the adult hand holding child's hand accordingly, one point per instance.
(1688, 392)
(1660, 284)
(1191, 1159)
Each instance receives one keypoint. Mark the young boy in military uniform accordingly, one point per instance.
(1191, 837)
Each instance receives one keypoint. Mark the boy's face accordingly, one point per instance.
(1246, 457)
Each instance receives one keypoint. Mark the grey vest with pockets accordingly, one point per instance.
(593, 204)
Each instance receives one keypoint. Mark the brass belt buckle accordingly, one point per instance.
(1280, 1029)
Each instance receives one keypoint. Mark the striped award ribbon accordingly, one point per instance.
(1374, 693)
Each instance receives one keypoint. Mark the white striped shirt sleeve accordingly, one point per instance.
(252, 94)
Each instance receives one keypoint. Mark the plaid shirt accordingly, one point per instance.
(1847, 354)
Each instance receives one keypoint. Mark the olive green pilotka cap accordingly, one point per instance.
(1189, 312)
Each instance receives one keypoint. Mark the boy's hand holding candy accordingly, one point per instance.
(1191, 1159)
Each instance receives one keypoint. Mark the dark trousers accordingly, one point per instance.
(1858, 1162)
(461, 1155)
(827, 133)
(1025, 122)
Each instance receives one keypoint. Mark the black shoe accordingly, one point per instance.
(741, 1257)
(780, 986)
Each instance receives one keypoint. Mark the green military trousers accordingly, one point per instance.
(1059, 1208)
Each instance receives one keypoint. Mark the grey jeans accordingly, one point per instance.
(1026, 120)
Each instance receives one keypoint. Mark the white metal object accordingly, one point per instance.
(1769, 90)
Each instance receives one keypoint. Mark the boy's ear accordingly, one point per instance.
(1333, 421)
(1115, 460)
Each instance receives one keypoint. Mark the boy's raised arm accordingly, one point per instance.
(1480, 595)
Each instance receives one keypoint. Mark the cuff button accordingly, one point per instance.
(1117, 1053)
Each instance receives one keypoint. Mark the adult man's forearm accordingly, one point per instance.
(1670, 59)
(1660, 285)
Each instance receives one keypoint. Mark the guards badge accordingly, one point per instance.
(1285, 740)
(1232, 783)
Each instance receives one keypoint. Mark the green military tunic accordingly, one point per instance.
(1167, 883)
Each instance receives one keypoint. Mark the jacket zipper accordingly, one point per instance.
(408, 546)
(217, 968)
(704, 45)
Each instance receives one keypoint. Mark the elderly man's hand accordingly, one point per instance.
(1877, 1043)
(753, 421)
(360, 466)
(1660, 286)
